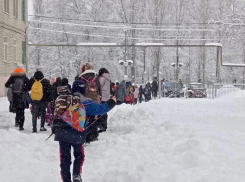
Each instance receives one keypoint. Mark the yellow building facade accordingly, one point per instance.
(13, 38)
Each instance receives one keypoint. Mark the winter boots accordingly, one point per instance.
(21, 124)
(43, 129)
(77, 178)
(34, 129)
(16, 124)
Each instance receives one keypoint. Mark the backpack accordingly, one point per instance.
(147, 90)
(69, 109)
(91, 90)
(18, 86)
(79, 86)
(37, 90)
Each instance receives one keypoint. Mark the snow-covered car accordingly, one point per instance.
(172, 89)
(196, 90)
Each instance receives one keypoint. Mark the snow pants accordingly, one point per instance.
(20, 117)
(92, 134)
(102, 123)
(38, 108)
(65, 160)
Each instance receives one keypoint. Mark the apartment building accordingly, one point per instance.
(13, 37)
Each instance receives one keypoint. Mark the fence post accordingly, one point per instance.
(212, 91)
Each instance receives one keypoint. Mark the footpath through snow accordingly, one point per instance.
(170, 140)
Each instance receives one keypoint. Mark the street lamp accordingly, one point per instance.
(179, 65)
(144, 45)
(125, 63)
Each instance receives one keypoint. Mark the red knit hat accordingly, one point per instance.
(83, 68)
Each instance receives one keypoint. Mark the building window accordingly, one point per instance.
(15, 51)
(6, 6)
(5, 49)
(23, 10)
(15, 8)
(23, 52)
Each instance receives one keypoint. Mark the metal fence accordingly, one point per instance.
(212, 91)
(218, 90)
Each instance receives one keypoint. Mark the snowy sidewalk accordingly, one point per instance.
(170, 140)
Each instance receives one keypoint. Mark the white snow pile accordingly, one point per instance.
(170, 140)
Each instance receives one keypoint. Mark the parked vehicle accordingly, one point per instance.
(196, 90)
(172, 89)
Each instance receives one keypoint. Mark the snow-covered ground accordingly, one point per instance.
(170, 140)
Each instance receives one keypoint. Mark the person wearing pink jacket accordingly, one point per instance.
(136, 93)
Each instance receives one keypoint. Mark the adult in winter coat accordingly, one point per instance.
(154, 88)
(39, 105)
(105, 85)
(58, 82)
(69, 137)
(141, 92)
(89, 74)
(19, 83)
(147, 92)
(120, 92)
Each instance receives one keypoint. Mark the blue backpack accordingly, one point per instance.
(79, 86)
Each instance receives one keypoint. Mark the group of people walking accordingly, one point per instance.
(95, 92)
(127, 93)
(44, 94)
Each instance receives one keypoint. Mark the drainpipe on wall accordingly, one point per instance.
(26, 51)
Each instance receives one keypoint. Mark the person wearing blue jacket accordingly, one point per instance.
(69, 137)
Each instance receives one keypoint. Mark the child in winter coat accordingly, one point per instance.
(49, 114)
(69, 137)
(136, 93)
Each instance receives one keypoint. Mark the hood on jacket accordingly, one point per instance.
(38, 75)
(123, 82)
(18, 72)
(88, 71)
(64, 81)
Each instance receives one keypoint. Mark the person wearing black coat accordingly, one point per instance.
(141, 92)
(154, 88)
(147, 92)
(64, 82)
(19, 99)
(39, 106)
(58, 82)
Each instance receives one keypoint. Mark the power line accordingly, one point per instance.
(117, 22)
(139, 36)
(116, 36)
(123, 27)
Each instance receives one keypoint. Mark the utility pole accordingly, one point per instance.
(125, 51)
(177, 65)
(143, 76)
